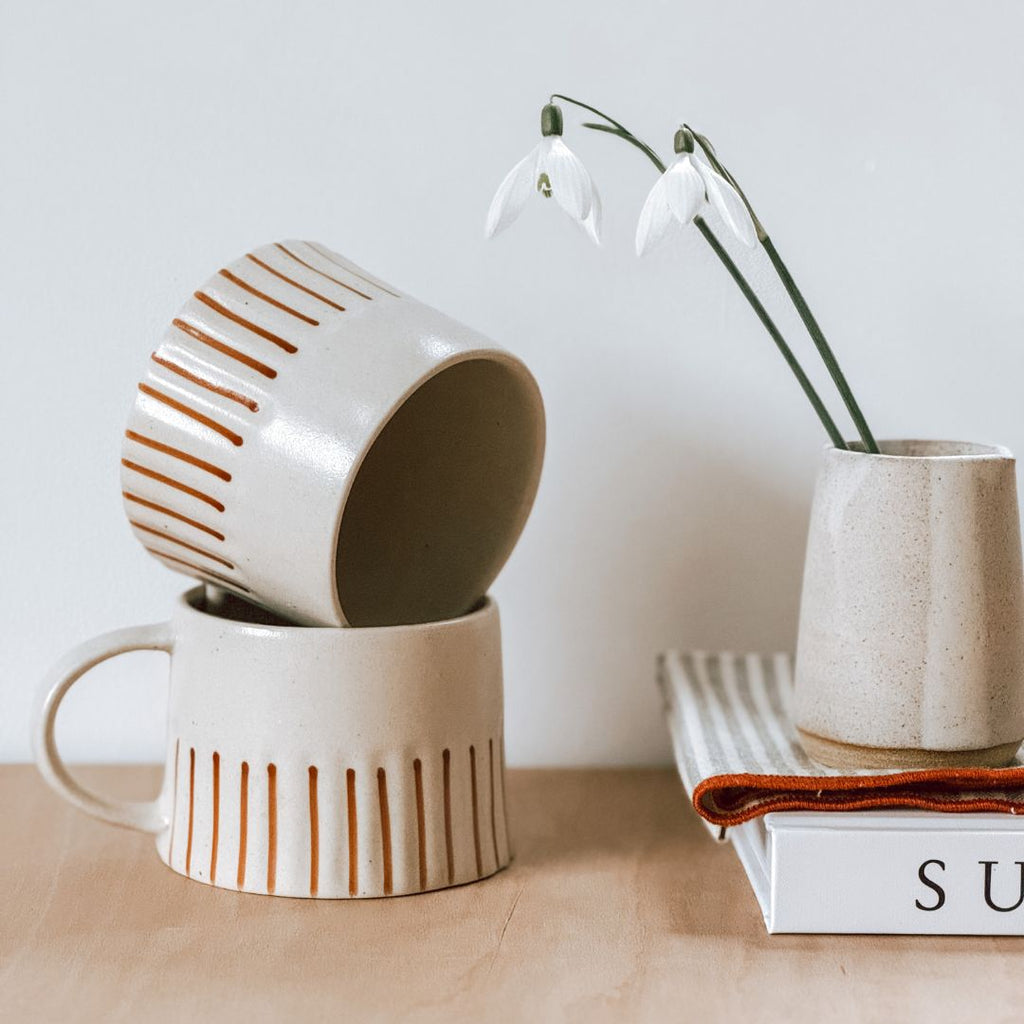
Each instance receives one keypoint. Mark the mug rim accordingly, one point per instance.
(184, 605)
(977, 451)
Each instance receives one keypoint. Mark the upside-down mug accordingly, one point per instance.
(314, 761)
(328, 447)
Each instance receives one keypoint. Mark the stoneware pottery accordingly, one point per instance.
(911, 643)
(314, 761)
(316, 441)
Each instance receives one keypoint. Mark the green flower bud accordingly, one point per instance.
(683, 141)
(551, 120)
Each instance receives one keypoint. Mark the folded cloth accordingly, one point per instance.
(739, 755)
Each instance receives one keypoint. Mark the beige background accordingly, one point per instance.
(141, 148)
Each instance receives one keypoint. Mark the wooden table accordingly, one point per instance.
(618, 907)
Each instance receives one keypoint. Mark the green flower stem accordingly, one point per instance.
(799, 303)
(769, 325)
(742, 283)
(823, 347)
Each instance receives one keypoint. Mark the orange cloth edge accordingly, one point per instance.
(840, 793)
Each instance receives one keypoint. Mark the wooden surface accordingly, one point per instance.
(618, 907)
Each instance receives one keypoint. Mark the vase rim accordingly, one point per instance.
(923, 450)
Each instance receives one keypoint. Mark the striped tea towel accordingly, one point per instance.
(739, 755)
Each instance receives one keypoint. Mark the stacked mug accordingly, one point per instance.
(346, 471)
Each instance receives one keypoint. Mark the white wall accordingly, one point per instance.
(141, 146)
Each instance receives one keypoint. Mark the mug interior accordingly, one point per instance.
(441, 496)
(917, 449)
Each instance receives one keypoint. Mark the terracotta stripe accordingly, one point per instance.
(174, 804)
(385, 828)
(231, 353)
(490, 779)
(309, 266)
(261, 332)
(128, 496)
(271, 827)
(202, 382)
(421, 822)
(314, 834)
(267, 298)
(170, 482)
(177, 453)
(216, 817)
(195, 414)
(353, 834)
(175, 540)
(449, 851)
(243, 822)
(191, 806)
(476, 813)
(197, 568)
(295, 284)
(331, 258)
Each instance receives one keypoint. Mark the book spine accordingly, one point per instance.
(893, 881)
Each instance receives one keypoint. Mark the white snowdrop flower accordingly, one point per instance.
(678, 195)
(553, 171)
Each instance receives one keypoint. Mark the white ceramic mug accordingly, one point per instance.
(314, 761)
(911, 641)
(332, 449)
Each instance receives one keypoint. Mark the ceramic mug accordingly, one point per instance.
(314, 761)
(326, 446)
(911, 639)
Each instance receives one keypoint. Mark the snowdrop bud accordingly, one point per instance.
(683, 141)
(551, 120)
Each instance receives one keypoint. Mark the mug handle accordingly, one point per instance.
(144, 815)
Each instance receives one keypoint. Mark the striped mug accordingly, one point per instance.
(328, 447)
(314, 761)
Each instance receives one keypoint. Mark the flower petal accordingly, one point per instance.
(509, 200)
(571, 185)
(684, 189)
(592, 224)
(729, 204)
(655, 218)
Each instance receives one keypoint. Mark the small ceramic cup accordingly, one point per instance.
(316, 441)
(314, 761)
(911, 639)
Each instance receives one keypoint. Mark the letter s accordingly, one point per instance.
(938, 890)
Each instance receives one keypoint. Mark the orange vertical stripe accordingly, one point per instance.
(314, 834)
(243, 822)
(421, 822)
(385, 828)
(271, 827)
(449, 851)
(353, 834)
(216, 816)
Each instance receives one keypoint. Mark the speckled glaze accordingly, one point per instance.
(317, 762)
(911, 641)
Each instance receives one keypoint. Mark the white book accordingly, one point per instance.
(886, 872)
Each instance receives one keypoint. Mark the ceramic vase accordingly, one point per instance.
(911, 638)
